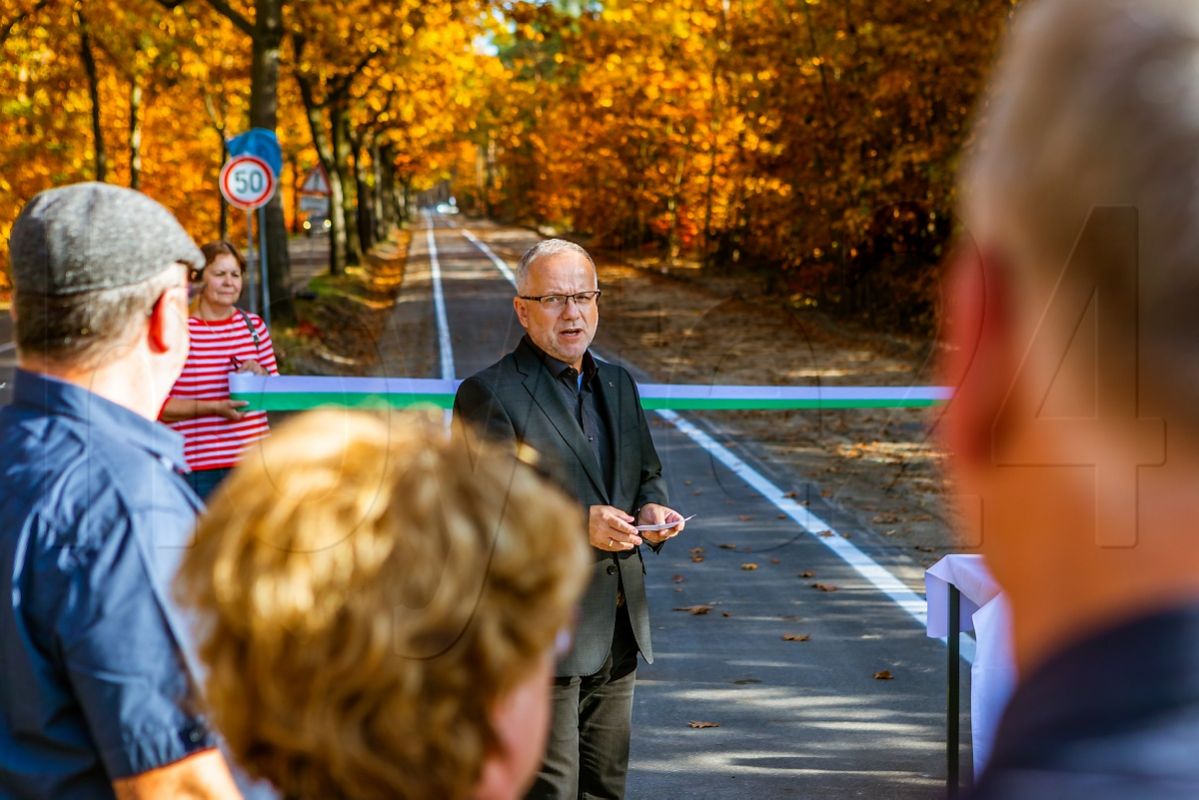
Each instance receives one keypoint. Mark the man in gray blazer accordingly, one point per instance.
(584, 418)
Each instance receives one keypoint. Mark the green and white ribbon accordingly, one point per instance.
(298, 392)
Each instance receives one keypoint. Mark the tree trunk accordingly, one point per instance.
(674, 206)
(324, 152)
(296, 180)
(218, 124)
(220, 195)
(135, 134)
(378, 206)
(366, 201)
(267, 39)
(340, 126)
(93, 88)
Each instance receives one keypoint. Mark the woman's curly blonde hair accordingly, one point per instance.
(368, 587)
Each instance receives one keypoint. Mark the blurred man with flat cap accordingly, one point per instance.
(1074, 427)
(96, 699)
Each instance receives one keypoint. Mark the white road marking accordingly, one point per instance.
(444, 345)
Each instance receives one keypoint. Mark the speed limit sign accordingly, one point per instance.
(247, 182)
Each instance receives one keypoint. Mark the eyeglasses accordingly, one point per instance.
(558, 301)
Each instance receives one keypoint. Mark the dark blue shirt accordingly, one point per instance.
(1113, 717)
(94, 517)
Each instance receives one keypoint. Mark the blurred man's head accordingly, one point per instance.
(381, 605)
(99, 273)
(1074, 324)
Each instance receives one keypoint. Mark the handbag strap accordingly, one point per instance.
(257, 343)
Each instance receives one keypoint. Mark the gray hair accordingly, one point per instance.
(1096, 103)
(80, 329)
(544, 249)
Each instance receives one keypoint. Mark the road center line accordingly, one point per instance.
(878, 575)
(444, 345)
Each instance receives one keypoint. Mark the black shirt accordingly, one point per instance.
(582, 395)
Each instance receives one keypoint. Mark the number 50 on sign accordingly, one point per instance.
(247, 182)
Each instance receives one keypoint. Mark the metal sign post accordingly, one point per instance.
(262, 263)
(251, 257)
(248, 182)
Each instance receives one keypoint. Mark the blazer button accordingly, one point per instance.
(611, 569)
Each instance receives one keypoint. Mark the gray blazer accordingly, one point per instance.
(515, 399)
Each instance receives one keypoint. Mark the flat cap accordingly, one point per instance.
(91, 236)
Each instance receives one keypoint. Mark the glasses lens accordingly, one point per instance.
(553, 301)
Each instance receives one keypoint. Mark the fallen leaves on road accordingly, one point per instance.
(697, 724)
(825, 587)
(885, 519)
(796, 637)
(884, 675)
(776, 561)
(745, 517)
(750, 567)
(697, 554)
(679, 579)
(726, 614)
(807, 573)
(728, 547)
(825, 534)
(697, 611)
(791, 495)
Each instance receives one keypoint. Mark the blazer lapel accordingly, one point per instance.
(611, 398)
(539, 383)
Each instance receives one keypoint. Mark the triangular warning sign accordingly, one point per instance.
(316, 182)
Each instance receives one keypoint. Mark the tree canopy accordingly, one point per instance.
(813, 140)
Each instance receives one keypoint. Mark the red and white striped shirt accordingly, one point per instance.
(217, 347)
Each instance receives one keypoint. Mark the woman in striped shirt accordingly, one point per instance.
(224, 339)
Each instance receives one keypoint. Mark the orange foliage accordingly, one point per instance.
(814, 138)
(192, 66)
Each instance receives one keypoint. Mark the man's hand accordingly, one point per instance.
(655, 514)
(611, 530)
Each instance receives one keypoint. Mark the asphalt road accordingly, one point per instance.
(796, 718)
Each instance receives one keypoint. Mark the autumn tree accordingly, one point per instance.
(812, 140)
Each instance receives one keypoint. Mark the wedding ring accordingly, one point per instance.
(611, 542)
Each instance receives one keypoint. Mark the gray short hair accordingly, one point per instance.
(1096, 103)
(78, 329)
(544, 249)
